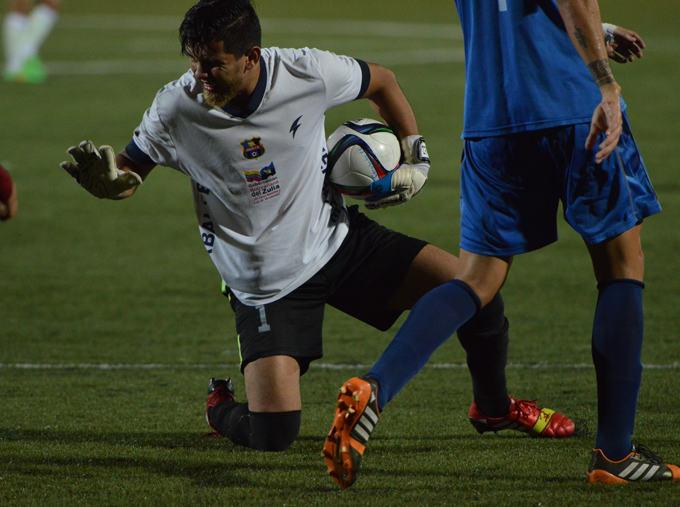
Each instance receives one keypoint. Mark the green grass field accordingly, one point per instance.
(86, 283)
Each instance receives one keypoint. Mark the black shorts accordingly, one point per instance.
(359, 280)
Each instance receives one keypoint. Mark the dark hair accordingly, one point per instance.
(233, 22)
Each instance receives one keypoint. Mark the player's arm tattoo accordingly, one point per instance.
(601, 71)
(580, 37)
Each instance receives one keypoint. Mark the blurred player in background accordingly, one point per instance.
(543, 124)
(9, 204)
(24, 31)
(247, 126)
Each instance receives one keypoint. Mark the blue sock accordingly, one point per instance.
(433, 319)
(485, 339)
(617, 348)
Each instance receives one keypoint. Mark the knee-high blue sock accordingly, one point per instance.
(433, 319)
(617, 347)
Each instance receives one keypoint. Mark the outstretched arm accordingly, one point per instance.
(584, 25)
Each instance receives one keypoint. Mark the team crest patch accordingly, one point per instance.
(253, 148)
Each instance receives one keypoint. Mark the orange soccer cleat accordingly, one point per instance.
(355, 418)
(641, 465)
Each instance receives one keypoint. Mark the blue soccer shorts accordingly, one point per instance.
(511, 186)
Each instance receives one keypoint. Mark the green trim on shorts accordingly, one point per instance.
(240, 356)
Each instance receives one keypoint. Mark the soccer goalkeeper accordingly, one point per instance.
(286, 245)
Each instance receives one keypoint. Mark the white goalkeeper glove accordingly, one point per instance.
(405, 181)
(608, 31)
(96, 171)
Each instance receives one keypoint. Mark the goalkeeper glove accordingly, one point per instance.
(96, 171)
(608, 30)
(405, 181)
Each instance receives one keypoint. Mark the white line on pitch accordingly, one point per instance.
(151, 23)
(324, 27)
(180, 65)
(322, 366)
(119, 67)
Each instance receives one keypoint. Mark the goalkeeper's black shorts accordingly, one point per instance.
(359, 280)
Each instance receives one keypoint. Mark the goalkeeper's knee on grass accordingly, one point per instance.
(262, 431)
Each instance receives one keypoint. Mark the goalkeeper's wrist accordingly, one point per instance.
(414, 150)
(383, 186)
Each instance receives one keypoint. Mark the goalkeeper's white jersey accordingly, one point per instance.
(265, 216)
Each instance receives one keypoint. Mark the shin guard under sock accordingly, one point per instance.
(485, 339)
(232, 419)
(14, 39)
(617, 348)
(41, 22)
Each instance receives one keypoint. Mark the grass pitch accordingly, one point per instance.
(85, 284)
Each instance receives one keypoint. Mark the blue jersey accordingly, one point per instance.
(522, 71)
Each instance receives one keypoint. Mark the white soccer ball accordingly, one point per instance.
(359, 153)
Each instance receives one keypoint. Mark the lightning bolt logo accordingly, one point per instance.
(295, 126)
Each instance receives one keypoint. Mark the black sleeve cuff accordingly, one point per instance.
(137, 155)
(365, 77)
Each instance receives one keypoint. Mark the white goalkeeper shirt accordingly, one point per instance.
(265, 215)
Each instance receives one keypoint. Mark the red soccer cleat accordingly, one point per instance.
(219, 391)
(524, 416)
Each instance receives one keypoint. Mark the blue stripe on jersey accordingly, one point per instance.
(137, 155)
(522, 71)
(365, 77)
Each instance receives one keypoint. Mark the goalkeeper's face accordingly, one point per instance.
(224, 77)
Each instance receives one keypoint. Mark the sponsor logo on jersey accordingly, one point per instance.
(253, 148)
(261, 175)
(263, 184)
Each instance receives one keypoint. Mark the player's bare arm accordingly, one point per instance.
(126, 164)
(389, 101)
(584, 25)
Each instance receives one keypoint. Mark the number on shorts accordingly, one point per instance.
(264, 327)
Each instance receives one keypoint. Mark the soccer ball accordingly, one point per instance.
(359, 153)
